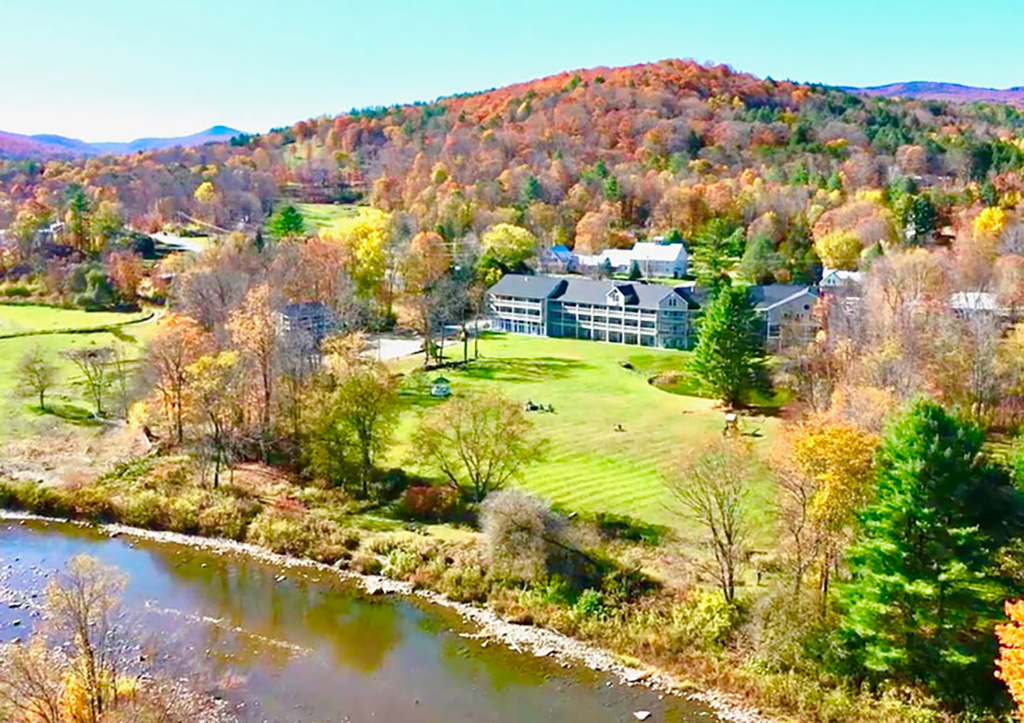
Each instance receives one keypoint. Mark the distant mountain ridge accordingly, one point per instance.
(47, 147)
(952, 92)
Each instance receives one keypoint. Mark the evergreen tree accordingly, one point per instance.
(634, 271)
(286, 222)
(925, 592)
(730, 356)
(760, 261)
(531, 191)
(611, 188)
(715, 252)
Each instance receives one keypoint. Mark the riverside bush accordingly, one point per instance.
(302, 536)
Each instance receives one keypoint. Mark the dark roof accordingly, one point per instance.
(772, 294)
(527, 287)
(578, 290)
(306, 309)
(763, 297)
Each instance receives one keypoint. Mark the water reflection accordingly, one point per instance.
(301, 646)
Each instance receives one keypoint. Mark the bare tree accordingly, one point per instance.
(37, 374)
(712, 491)
(480, 441)
(93, 363)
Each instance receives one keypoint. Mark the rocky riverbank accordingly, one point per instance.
(490, 627)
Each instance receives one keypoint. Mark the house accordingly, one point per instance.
(840, 279)
(612, 311)
(978, 303)
(787, 311)
(311, 320)
(557, 259)
(653, 260)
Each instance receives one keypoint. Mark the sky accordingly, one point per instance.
(114, 70)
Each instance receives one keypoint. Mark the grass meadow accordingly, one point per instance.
(19, 415)
(322, 215)
(589, 466)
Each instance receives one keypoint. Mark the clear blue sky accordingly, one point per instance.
(118, 69)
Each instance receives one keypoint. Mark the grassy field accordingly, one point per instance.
(589, 466)
(18, 416)
(322, 215)
(19, 318)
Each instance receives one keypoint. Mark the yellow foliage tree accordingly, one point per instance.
(206, 192)
(839, 249)
(508, 244)
(364, 241)
(826, 467)
(989, 224)
(1010, 663)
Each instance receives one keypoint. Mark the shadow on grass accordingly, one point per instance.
(69, 413)
(523, 370)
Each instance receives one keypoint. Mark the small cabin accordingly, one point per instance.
(441, 388)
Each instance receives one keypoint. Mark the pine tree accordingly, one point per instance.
(924, 595)
(634, 271)
(715, 252)
(730, 355)
(286, 222)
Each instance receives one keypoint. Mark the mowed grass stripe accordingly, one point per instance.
(587, 465)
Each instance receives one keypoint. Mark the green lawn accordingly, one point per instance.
(322, 215)
(589, 466)
(19, 318)
(18, 416)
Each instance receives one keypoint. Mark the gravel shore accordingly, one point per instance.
(521, 638)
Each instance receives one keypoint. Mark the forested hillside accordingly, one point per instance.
(592, 159)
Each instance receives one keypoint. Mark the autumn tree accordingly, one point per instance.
(179, 341)
(480, 442)
(212, 403)
(425, 265)
(126, 271)
(1010, 664)
(825, 468)
(364, 241)
(37, 374)
(839, 250)
(92, 364)
(357, 420)
(254, 332)
(713, 492)
(729, 357)
(508, 246)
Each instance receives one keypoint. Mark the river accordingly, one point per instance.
(297, 644)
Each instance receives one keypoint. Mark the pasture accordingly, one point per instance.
(19, 416)
(322, 215)
(611, 435)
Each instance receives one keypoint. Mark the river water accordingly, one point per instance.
(299, 645)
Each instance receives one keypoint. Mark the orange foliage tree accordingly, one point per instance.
(1010, 663)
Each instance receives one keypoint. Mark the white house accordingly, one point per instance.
(653, 259)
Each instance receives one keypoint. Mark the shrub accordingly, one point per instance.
(301, 536)
(590, 604)
(431, 503)
(226, 517)
(706, 623)
(517, 528)
(465, 583)
(400, 564)
(144, 508)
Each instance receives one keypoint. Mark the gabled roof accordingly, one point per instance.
(649, 251)
(527, 287)
(765, 297)
(768, 297)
